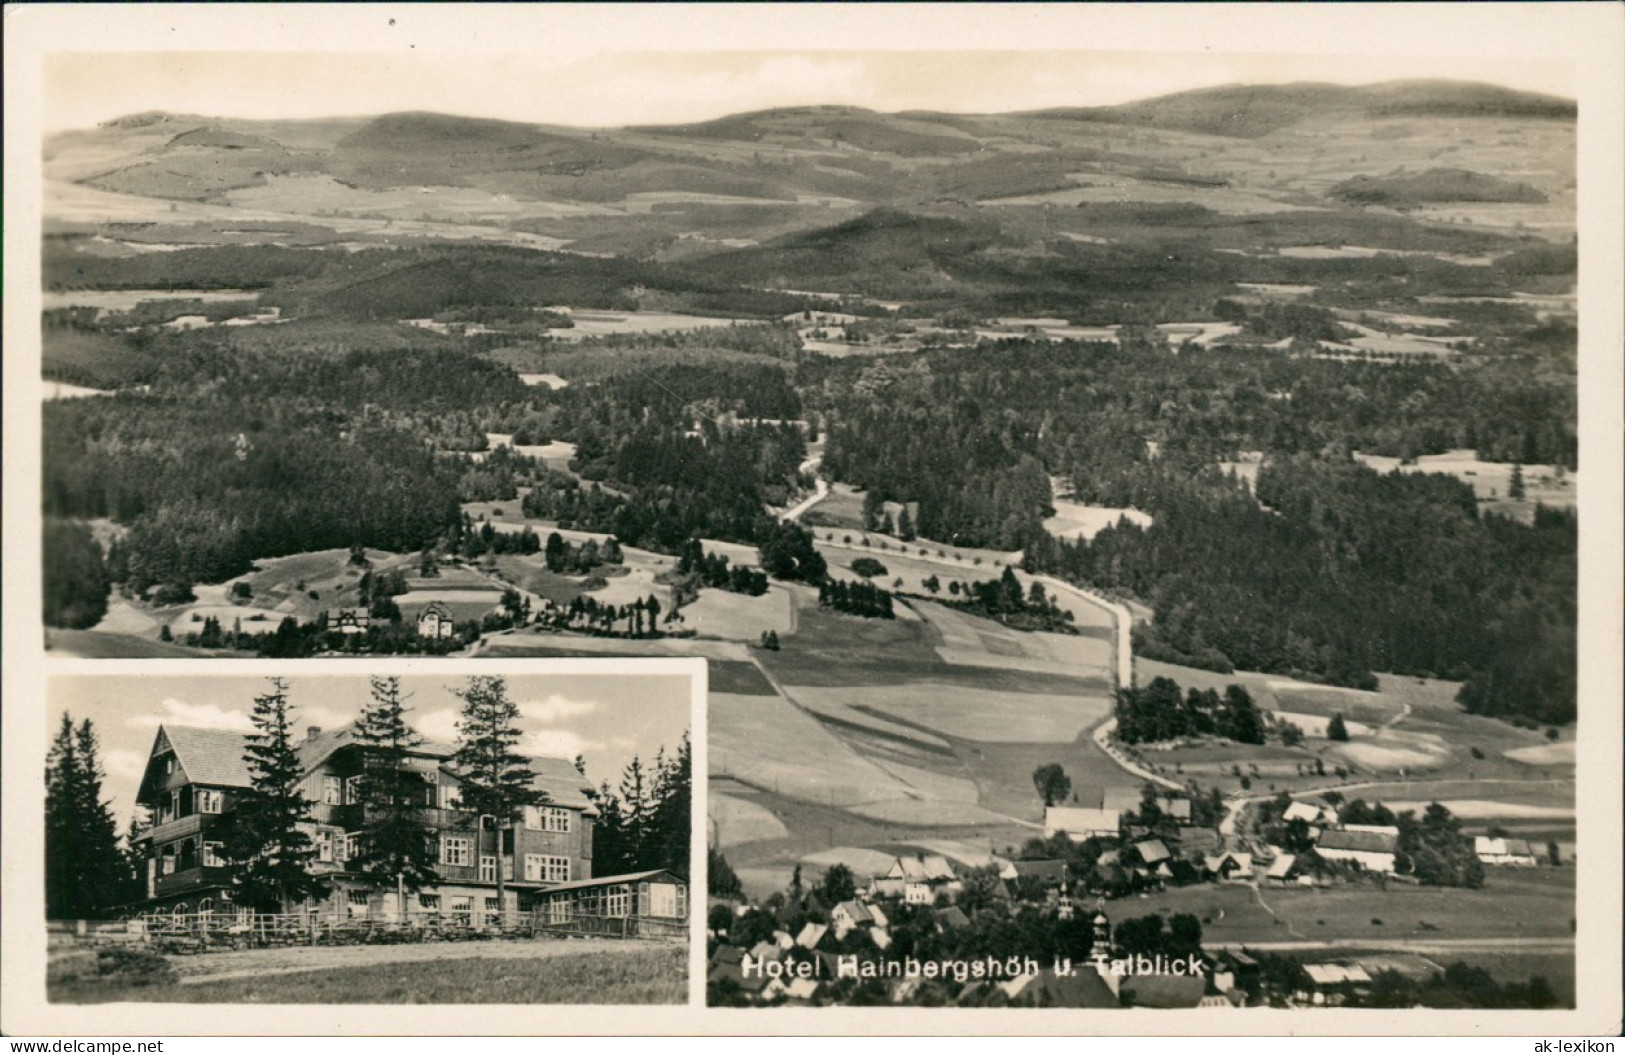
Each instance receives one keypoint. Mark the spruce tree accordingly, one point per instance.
(671, 819)
(264, 839)
(396, 845)
(86, 873)
(497, 779)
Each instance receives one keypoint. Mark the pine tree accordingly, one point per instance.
(497, 780)
(636, 809)
(671, 819)
(264, 838)
(1336, 729)
(396, 846)
(86, 873)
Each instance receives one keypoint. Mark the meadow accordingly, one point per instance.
(539, 972)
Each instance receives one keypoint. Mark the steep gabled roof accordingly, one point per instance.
(209, 756)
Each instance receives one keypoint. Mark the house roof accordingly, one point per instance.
(1164, 990)
(1078, 819)
(937, 867)
(1179, 809)
(557, 778)
(1483, 845)
(1302, 811)
(811, 935)
(1336, 973)
(856, 910)
(209, 756)
(908, 868)
(1367, 842)
(1152, 850)
(952, 917)
(1281, 867)
(1182, 871)
(1048, 871)
(881, 937)
(1214, 862)
(1379, 829)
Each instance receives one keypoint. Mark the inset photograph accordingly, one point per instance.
(372, 840)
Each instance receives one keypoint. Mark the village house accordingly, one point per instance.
(349, 620)
(1229, 867)
(1330, 984)
(1081, 823)
(195, 778)
(1048, 874)
(435, 622)
(1373, 851)
(1499, 851)
(1310, 813)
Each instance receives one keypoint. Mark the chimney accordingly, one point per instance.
(312, 732)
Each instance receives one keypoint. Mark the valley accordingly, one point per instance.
(1218, 453)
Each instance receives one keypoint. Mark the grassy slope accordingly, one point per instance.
(649, 976)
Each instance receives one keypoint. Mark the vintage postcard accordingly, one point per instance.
(1133, 492)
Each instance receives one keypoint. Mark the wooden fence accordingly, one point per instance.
(210, 931)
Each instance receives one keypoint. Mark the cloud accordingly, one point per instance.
(556, 708)
(196, 715)
(438, 725)
(555, 743)
(129, 765)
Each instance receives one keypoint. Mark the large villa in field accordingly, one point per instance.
(195, 777)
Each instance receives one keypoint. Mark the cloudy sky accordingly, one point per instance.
(606, 718)
(604, 65)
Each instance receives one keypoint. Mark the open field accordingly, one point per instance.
(1490, 481)
(95, 644)
(738, 617)
(523, 972)
(1073, 520)
(736, 820)
(970, 714)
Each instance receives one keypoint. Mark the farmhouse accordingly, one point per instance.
(349, 620)
(196, 778)
(1503, 851)
(1229, 867)
(1049, 874)
(1332, 983)
(1080, 823)
(1310, 813)
(1373, 851)
(435, 621)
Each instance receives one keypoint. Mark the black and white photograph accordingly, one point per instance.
(1141, 491)
(346, 839)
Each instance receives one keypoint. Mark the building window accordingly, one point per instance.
(352, 845)
(533, 868)
(558, 909)
(618, 901)
(358, 898)
(546, 819)
(175, 803)
(332, 791)
(451, 797)
(490, 906)
(454, 851)
(324, 845)
(166, 863)
(212, 857)
(558, 869)
(429, 902)
(463, 907)
(352, 790)
(169, 765)
(207, 800)
(488, 868)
